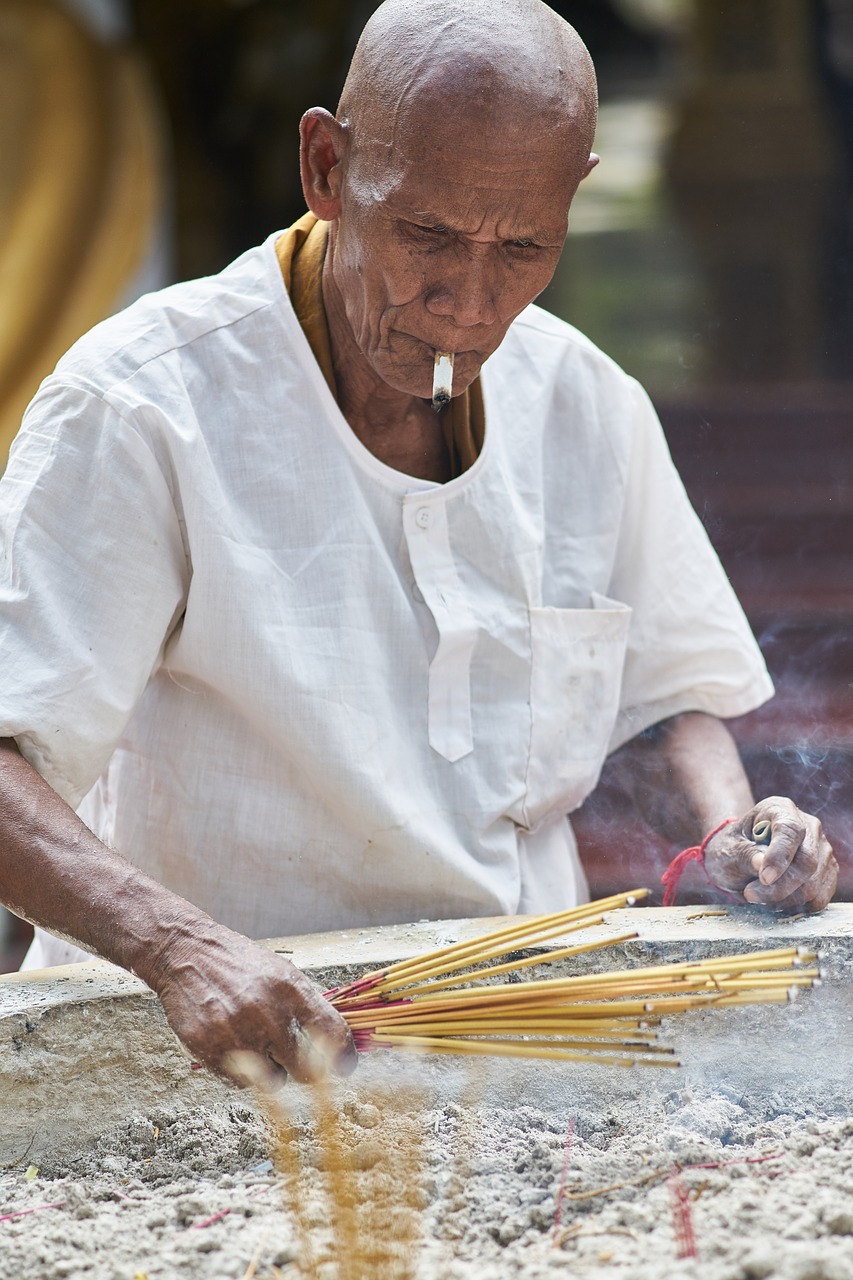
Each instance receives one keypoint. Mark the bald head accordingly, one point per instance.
(497, 62)
(462, 133)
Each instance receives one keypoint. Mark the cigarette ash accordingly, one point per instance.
(453, 1172)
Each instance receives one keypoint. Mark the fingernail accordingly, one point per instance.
(244, 1065)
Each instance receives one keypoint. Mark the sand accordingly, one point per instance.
(464, 1170)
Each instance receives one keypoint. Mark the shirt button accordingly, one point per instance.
(423, 518)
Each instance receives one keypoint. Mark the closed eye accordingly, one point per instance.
(420, 233)
(427, 228)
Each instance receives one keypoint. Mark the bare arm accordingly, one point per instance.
(221, 992)
(686, 778)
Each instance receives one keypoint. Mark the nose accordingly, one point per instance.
(466, 293)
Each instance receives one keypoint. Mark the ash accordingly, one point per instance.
(433, 1171)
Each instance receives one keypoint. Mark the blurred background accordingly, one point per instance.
(711, 253)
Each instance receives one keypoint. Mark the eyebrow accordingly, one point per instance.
(426, 220)
(421, 217)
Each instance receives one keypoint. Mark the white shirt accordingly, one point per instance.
(307, 691)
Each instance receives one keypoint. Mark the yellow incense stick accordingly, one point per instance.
(536, 997)
(481, 957)
(503, 1026)
(531, 926)
(510, 966)
(426, 1044)
(582, 1044)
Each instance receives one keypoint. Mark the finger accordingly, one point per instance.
(306, 1058)
(808, 884)
(800, 901)
(328, 1036)
(825, 882)
(250, 1070)
(787, 893)
(772, 861)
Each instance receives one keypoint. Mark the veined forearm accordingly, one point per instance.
(685, 776)
(54, 872)
(220, 991)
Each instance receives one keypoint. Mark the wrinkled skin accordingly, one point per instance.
(448, 207)
(442, 245)
(221, 992)
(796, 871)
(226, 996)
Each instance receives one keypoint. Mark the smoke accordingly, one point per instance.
(792, 1058)
(801, 743)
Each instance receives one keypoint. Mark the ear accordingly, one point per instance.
(321, 150)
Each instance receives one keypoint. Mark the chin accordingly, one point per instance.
(410, 379)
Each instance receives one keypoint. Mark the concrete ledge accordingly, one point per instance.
(83, 1047)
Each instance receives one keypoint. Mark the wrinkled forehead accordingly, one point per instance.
(465, 187)
(482, 92)
(476, 125)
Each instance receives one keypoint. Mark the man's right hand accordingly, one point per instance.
(226, 997)
(223, 994)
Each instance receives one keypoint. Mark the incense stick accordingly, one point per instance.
(502, 1049)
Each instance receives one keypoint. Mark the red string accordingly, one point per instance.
(558, 1213)
(685, 1236)
(672, 876)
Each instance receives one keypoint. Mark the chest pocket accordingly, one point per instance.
(577, 656)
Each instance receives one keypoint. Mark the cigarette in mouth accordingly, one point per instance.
(442, 380)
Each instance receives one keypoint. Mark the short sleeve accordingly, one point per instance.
(690, 647)
(93, 576)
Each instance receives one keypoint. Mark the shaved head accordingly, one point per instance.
(485, 58)
(446, 177)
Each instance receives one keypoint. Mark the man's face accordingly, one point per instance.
(446, 233)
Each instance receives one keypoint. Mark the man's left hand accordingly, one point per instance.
(792, 869)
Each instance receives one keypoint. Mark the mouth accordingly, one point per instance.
(430, 347)
(417, 356)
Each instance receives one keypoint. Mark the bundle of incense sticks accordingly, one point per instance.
(447, 1001)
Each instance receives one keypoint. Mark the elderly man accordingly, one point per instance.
(305, 653)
